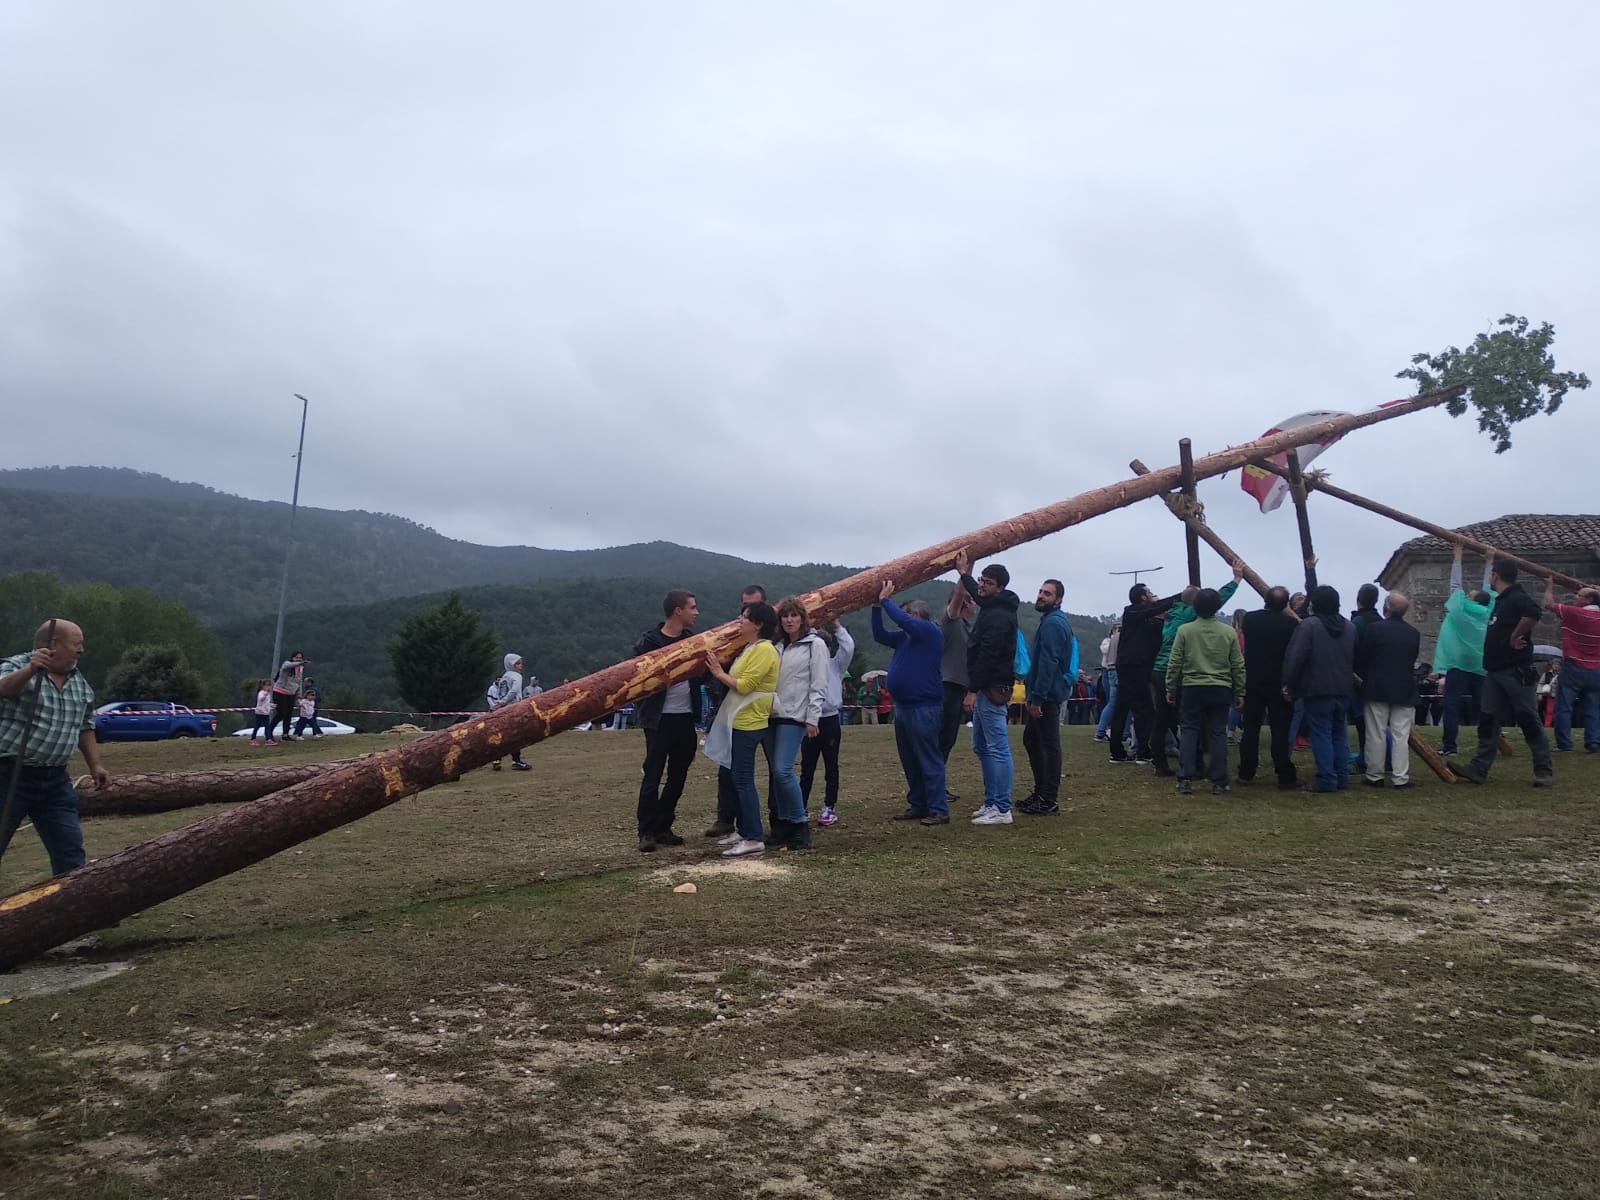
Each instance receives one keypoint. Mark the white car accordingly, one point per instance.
(329, 727)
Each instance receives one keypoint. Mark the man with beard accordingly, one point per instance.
(1052, 668)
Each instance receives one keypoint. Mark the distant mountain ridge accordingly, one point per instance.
(222, 555)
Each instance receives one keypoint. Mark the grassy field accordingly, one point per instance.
(486, 991)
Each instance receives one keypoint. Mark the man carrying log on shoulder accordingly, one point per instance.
(47, 712)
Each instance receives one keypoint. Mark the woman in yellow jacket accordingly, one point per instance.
(742, 721)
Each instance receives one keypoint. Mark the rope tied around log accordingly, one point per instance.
(1190, 508)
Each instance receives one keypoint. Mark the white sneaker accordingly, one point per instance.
(743, 846)
(992, 816)
(984, 811)
(729, 840)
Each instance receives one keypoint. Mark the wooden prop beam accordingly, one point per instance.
(1439, 531)
(106, 891)
(1191, 536)
(1431, 756)
(1297, 493)
(1206, 534)
(161, 791)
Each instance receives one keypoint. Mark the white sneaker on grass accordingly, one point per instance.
(982, 812)
(744, 846)
(992, 816)
(729, 840)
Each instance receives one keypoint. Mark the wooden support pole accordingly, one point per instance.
(1431, 756)
(1439, 531)
(1191, 536)
(121, 884)
(1297, 493)
(1207, 535)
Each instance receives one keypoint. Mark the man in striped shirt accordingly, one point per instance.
(35, 754)
(1578, 688)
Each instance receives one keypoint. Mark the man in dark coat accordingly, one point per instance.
(1386, 661)
(991, 672)
(1136, 658)
(1266, 640)
(1319, 669)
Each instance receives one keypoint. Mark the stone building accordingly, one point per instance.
(1421, 567)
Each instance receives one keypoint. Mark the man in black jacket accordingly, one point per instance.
(1319, 669)
(669, 720)
(1136, 658)
(1266, 640)
(1508, 679)
(991, 672)
(1386, 661)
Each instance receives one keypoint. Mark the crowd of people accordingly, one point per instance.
(1175, 677)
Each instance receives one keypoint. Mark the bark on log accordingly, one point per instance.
(1191, 536)
(1439, 531)
(1207, 535)
(162, 791)
(1431, 756)
(50, 913)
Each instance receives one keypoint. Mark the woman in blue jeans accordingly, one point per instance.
(796, 711)
(741, 723)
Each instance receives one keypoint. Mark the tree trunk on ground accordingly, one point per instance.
(160, 791)
(106, 891)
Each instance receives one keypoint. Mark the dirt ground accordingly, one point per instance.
(486, 991)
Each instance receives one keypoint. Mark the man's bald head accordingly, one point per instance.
(64, 632)
(1398, 603)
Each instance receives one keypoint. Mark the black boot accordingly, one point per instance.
(799, 834)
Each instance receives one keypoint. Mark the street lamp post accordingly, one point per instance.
(294, 504)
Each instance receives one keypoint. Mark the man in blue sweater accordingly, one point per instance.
(1053, 667)
(918, 690)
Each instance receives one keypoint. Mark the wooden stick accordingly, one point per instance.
(122, 884)
(1191, 536)
(1439, 531)
(1207, 535)
(1431, 756)
(1297, 493)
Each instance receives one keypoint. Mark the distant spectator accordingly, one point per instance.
(286, 694)
(263, 713)
(309, 704)
(503, 691)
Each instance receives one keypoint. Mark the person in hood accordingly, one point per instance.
(1319, 668)
(1509, 677)
(841, 650)
(669, 720)
(503, 691)
(796, 713)
(1052, 666)
(914, 680)
(991, 673)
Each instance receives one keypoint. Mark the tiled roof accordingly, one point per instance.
(1519, 532)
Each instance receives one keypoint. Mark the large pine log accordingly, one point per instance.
(161, 791)
(112, 888)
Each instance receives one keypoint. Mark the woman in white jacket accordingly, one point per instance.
(796, 712)
(826, 744)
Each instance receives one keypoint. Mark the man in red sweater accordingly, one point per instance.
(1579, 682)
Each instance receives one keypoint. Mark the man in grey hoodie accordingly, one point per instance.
(506, 690)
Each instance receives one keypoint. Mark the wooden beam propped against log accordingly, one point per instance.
(1203, 532)
(1191, 528)
(1297, 493)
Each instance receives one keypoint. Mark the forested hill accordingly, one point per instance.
(562, 628)
(222, 555)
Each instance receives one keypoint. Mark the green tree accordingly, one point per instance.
(1510, 376)
(443, 658)
(149, 672)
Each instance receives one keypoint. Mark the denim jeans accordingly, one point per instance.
(1203, 719)
(1330, 740)
(993, 749)
(783, 746)
(916, 737)
(45, 797)
(742, 780)
(1111, 703)
(1577, 690)
(1041, 740)
(1463, 695)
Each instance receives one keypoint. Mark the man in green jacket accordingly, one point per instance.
(1166, 717)
(1205, 667)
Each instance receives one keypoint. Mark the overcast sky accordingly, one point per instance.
(796, 281)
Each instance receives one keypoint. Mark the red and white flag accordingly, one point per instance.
(1269, 489)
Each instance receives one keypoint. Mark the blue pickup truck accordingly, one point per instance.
(150, 721)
